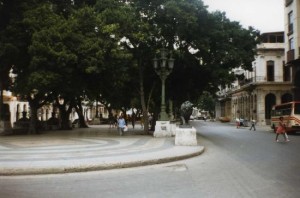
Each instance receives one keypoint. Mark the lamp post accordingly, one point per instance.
(163, 67)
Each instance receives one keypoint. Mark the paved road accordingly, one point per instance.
(236, 163)
(96, 148)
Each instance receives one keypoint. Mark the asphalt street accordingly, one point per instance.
(236, 163)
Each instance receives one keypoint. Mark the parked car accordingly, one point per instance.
(201, 118)
(244, 122)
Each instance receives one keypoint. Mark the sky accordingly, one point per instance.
(263, 15)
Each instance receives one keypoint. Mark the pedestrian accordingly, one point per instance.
(237, 120)
(121, 124)
(116, 121)
(111, 121)
(253, 125)
(281, 129)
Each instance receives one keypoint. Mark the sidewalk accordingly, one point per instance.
(96, 148)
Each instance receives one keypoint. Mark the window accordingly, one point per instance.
(272, 38)
(283, 110)
(291, 44)
(280, 39)
(270, 70)
(290, 21)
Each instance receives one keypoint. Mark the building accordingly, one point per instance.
(292, 44)
(255, 92)
(15, 107)
(18, 109)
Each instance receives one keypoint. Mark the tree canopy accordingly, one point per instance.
(104, 49)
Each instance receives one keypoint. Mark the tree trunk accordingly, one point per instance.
(78, 108)
(143, 102)
(33, 125)
(64, 116)
(110, 114)
(82, 123)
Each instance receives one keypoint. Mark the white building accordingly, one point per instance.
(18, 109)
(268, 84)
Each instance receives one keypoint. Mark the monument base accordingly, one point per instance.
(186, 137)
(173, 128)
(162, 129)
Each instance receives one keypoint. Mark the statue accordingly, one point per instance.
(186, 111)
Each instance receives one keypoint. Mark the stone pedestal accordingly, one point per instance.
(173, 128)
(186, 137)
(162, 129)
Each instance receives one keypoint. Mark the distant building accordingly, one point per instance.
(18, 109)
(255, 92)
(292, 44)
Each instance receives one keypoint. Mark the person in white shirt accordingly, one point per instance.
(121, 124)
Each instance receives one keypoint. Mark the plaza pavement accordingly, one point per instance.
(98, 147)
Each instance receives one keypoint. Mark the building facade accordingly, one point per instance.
(18, 109)
(253, 95)
(292, 44)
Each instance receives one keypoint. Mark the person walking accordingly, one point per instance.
(281, 129)
(253, 125)
(121, 124)
(238, 124)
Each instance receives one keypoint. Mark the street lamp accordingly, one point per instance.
(163, 67)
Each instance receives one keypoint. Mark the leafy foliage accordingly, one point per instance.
(206, 102)
(103, 49)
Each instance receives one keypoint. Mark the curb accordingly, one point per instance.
(99, 166)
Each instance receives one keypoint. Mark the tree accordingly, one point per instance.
(94, 47)
(69, 56)
(209, 45)
(206, 102)
(63, 53)
(9, 21)
(206, 46)
(132, 34)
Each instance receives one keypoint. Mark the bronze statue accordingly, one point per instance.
(186, 111)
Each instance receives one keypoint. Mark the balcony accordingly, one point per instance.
(290, 55)
(261, 79)
(250, 82)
